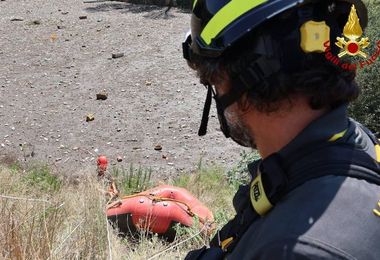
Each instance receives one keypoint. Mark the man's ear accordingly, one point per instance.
(244, 103)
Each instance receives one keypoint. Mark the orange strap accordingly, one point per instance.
(158, 198)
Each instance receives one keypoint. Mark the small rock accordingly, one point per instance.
(17, 19)
(2, 145)
(36, 22)
(90, 117)
(119, 159)
(148, 83)
(118, 130)
(58, 159)
(83, 17)
(170, 164)
(117, 55)
(158, 147)
(64, 12)
(60, 27)
(139, 35)
(164, 157)
(102, 95)
(76, 148)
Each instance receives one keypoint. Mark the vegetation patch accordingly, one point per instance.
(43, 217)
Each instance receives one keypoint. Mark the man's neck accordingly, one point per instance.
(273, 131)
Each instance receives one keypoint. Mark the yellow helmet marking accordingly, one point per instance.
(229, 13)
(314, 35)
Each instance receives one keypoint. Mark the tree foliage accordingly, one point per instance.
(367, 108)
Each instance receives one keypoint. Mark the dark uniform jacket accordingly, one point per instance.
(330, 217)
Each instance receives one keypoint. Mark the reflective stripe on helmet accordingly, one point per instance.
(228, 14)
(194, 3)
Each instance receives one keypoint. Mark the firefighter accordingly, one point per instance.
(314, 192)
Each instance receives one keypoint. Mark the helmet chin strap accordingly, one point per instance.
(221, 104)
(206, 111)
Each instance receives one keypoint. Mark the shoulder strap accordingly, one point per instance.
(280, 178)
(339, 160)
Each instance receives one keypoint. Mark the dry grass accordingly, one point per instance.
(42, 217)
(64, 223)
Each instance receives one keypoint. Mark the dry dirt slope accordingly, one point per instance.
(52, 64)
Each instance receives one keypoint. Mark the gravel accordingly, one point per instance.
(49, 82)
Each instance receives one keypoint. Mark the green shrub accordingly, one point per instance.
(367, 108)
(239, 175)
(41, 178)
(133, 180)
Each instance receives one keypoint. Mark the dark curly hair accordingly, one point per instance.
(325, 84)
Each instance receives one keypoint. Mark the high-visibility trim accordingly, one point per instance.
(194, 3)
(259, 199)
(226, 242)
(228, 14)
(337, 136)
(377, 150)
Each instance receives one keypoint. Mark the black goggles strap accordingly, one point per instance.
(206, 111)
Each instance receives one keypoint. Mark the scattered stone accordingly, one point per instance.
(102, 95)
(16, 19)
(117, 55)
(90, 117)
(158, 147)
(119, 159)
(82, 17)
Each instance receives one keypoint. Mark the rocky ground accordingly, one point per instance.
(56, 55)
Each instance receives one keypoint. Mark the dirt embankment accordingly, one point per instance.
(56, 55)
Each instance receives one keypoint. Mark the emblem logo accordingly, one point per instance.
(352, 31)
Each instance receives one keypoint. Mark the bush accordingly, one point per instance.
(239, 175)
(367, 108)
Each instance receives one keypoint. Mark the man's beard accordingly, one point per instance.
(238, 130)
